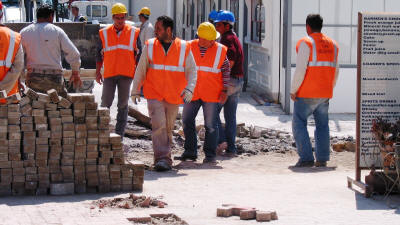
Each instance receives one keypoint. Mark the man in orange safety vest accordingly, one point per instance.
(167, 71)
(120, 47)
(312, 86)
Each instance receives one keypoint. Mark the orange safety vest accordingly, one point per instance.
(320, 73)
(209, 76)
(165, 77)
(119, 50)
(11, 41)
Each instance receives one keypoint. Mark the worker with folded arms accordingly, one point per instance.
(120, 46)
(43, 43)
(11, 59)
(213, 73)
(168, 73)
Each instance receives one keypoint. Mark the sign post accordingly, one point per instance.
(378, 84)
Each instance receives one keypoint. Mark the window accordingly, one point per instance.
(257, 21)
(98, 10)
(235, 10)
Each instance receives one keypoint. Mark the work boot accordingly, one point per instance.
(161, 166)
(304, 164)
(230, 154)
(210, 160)
(320, 164)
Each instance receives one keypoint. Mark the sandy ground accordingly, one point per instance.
(193, 191)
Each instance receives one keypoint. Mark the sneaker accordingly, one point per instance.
(209, 160)
(320, 164)
(304, 164)
(185, 157)
(161, 166)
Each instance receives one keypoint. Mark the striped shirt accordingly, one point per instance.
(225, 68)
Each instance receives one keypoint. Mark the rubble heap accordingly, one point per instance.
(56, 145)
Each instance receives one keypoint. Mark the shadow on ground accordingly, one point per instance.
(38, 200)
(311, 169)
(154, 175)
(197, 165)
(378, 202)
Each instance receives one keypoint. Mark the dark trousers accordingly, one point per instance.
(190, 111)
(123, 83)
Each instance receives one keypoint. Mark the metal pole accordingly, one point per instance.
(288, 64)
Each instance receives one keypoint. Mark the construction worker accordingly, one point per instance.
(43, 44)
(212, 16)
(11, 59)
(168, 73)
(315, 77)
(146, 28)
(76, 17)
(227, 136)
(213, 73)
(120, 46)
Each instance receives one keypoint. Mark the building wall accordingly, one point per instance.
(157, 8)
(264, 58)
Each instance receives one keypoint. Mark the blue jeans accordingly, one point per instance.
(228, 134)
(303, 108)
(190, 111)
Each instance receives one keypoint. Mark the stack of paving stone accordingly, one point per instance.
(56, 145)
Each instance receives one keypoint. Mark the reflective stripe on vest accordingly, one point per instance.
(213, 69)
(7, 62)
(115, 47)
(179, 68)
(314, 61)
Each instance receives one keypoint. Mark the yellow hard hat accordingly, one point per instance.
(207, 31)
(118, 8)
(144, 11)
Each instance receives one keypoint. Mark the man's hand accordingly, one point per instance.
(223, 97)
(99, 78)
(76, 79)
(293, 97)
(135, 98)
(186, 95)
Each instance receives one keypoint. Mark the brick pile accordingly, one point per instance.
(51, 144)
(246, 213)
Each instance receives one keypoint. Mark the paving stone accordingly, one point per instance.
(248, 214)
(64, 103)
(43, 98)
(53, 95)
(31, 94)
(263, 216)
(62, 189)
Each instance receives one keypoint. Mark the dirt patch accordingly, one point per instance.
(133, 201)
(250, 141)
(159, 219)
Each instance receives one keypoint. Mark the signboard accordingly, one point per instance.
(378, 85)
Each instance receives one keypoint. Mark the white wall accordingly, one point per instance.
(345, 93)
(157, 8)
(264, 63)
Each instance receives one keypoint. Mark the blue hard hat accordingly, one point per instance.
(213, 15)
(225, 16)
